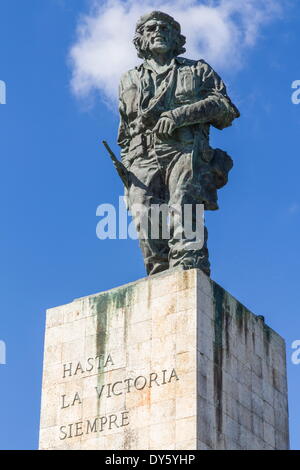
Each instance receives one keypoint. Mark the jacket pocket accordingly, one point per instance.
(186, 85)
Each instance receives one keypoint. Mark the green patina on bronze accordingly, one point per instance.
(222, 319)
(267, 338)
(115, 299)
(219, 295)
(227, 321)
(219, 302)
(267, 333)
(239, 313)
(97, 306)
(104, 306)
(242, 317)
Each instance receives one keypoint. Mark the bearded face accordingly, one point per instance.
(157, 37)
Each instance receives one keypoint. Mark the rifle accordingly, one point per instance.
(121, 169)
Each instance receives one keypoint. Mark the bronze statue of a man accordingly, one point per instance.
(167, 105)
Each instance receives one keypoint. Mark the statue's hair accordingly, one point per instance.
(141, 45)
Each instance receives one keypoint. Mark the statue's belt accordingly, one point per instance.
(142, 143)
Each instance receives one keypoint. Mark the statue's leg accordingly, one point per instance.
(148, 189)
(184, 190)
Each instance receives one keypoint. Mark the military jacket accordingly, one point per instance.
(190, 92)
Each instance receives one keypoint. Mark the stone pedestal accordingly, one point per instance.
(168, 362)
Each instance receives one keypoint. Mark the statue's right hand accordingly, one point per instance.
(164, 127)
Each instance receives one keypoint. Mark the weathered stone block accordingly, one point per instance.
(168, 362)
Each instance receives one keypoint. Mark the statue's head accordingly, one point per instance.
(158, 33)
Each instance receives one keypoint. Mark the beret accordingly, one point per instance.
(157, 15)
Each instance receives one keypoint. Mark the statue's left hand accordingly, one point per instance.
(164, 127)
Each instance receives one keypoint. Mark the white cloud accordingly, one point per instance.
(218, 30)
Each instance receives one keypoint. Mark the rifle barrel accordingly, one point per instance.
(122, 171)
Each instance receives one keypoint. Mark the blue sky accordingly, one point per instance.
(54, 174)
